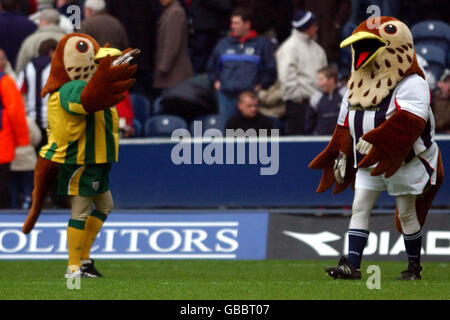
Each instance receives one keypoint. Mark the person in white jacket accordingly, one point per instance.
(298, 60)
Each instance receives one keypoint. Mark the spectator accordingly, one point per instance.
(140, 21)
(22, 169)
(31, 81)
(13, 132)
(45, 4)
(248, 116)
(298, 60)
(126, 116)
(6, 66)
(324, 105)
(272, 104)
(331, 17)
(240, 62)
(269, 15)
(64, 22)
(27, 7)
(172, 62)
(441, 103)
(14, 28)
(48, 29)
(102, 26)
(209, 20)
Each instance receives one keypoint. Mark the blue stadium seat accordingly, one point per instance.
(157, 106)
(141, 107)
(163, 125)
(435, 56)
(432, 32)
(212, 121)
(137, 128)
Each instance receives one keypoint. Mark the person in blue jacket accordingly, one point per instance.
(14, 28)
(241, 61)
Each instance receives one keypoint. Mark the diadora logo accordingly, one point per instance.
(383, 243)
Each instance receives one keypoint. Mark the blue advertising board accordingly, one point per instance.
(146, 177)
(131, 235)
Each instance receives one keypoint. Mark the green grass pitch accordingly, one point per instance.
(217, 280)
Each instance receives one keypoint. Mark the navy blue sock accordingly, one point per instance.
(357, 240)
(413, 245)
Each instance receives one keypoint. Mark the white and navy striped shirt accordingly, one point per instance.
(411, 94)
(31, 81)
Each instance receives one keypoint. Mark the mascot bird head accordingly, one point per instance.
(381, 57)
(76, 58)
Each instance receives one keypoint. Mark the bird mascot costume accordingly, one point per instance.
(384, 140)
(85, 84)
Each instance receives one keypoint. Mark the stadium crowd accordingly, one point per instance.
(232, 63)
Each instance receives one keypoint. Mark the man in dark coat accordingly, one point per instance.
(270, 15)
(139, 19)
(172, 62)
(209, 18)
(102, 26)
(331, 15)
(248, 116)
(14, 28)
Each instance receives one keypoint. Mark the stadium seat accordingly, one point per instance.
(432, 32)
(213, 121)
(163, 125)
(435, 56)
(141, 107)
(157, 106)
(137, 128)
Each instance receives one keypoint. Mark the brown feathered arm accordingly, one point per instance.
(107, 86)
(392, 142)
(341, 141)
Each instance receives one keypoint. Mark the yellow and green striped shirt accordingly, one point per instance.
(76, 137)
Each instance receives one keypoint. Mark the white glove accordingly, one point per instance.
(339, 167)
(363, 146)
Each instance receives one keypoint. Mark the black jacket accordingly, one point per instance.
(210, 15)
(240, 122)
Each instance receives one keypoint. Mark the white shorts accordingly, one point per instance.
(410, 178)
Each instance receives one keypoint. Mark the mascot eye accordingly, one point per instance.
(82, 46)
(390, 29)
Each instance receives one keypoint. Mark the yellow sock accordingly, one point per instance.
(93, 225)
(75, 240)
